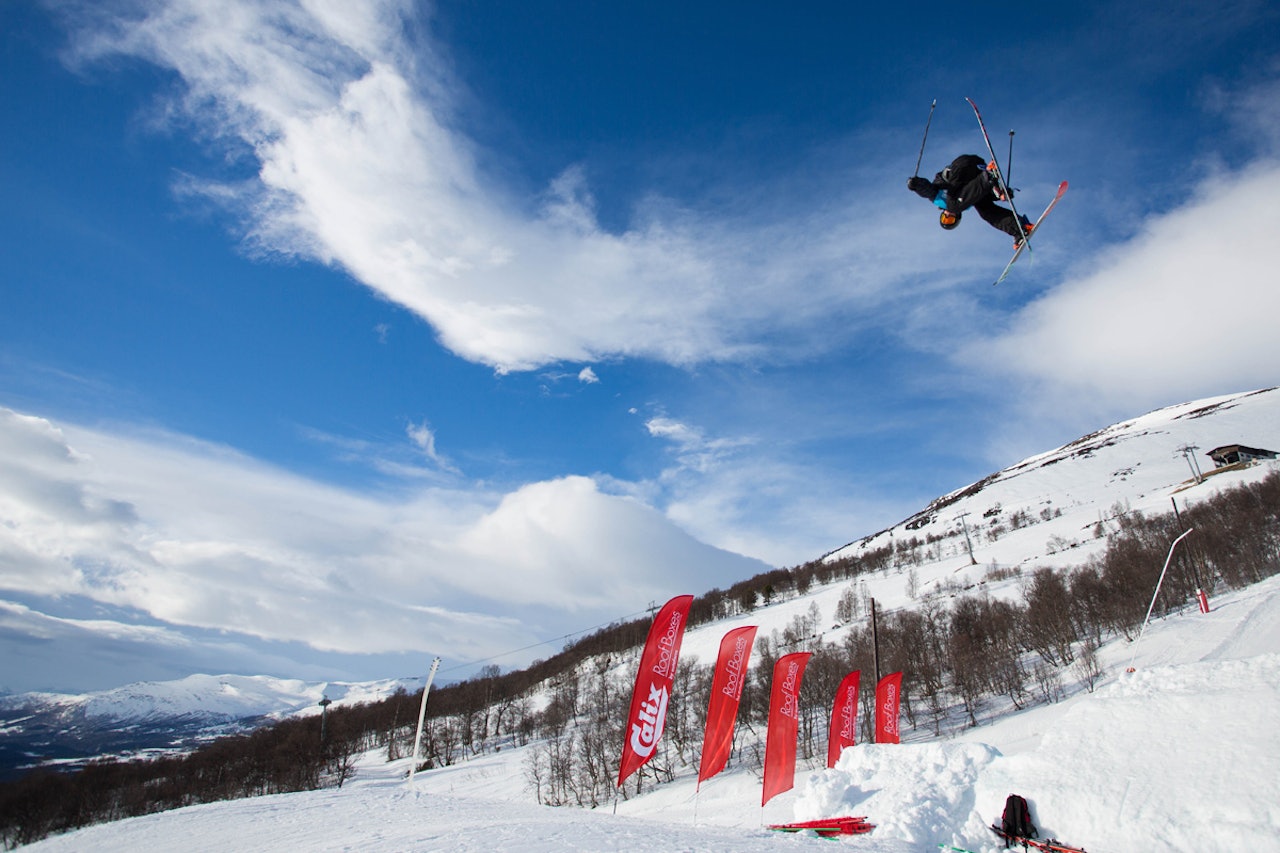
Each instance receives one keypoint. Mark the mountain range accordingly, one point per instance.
(158, 716)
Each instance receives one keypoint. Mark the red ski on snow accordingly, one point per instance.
(829, 826)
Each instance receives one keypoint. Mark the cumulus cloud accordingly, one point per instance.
(1187, 304)
(192, 535)
(567, 534)
(351, 130)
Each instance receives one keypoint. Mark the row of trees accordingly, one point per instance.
(959, 653)
(288, 756)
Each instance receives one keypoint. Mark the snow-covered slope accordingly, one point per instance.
(1181, 754)
(1048, 510)
(1139, 464)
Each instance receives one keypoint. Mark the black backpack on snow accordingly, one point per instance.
(1016, 821)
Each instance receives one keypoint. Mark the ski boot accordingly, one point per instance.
(993, 180)
(1027, 227)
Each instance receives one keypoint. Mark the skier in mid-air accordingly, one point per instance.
(969, 182)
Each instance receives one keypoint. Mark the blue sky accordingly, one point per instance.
(334, 338)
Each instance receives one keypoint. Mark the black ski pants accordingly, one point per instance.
(979, 193)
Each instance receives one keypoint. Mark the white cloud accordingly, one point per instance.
(587, 376)
(1186, 306)
(752, 495)
(680, 433)
(548, 538)
(424, 438)
(197, 536)
(695, 453)
(360, 165)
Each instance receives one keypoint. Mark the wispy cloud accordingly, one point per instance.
(424, 438)
(694, 450)
(758, 495)
(356, 159)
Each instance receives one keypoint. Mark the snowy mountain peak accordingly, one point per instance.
(210, 698)
(137, 718)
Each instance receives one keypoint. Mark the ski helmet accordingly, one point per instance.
(948, 219)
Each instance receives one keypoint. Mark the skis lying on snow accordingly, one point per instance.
(1049, 844)
(828, 827)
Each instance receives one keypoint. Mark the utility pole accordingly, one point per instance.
(875, 640)
(1188, 453)
(1195, 569)
(1201, 598)
(325, 702)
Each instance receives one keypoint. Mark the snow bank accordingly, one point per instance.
(1177, 757)
(917, 793)
(1180, 757)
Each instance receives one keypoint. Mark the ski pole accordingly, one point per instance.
(926, 136)
(1008, 165)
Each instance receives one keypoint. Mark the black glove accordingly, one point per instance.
(921, 187)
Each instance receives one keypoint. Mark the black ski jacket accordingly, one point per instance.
(967, 184)
(966, 181)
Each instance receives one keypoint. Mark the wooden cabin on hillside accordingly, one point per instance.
(1233, 454)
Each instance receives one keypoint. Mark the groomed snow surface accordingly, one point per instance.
(1181, 754)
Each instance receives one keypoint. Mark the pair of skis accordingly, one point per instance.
(1050, 845)
(828, 827)
(1004, 188)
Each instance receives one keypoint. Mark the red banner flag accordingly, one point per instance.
(784, 725)
(726, 693)
(844, 718)
(888, 696)
(653, 686)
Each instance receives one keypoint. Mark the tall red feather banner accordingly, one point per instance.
(726, 694)
(652, 691)
(888, 698)
(784, 725)
(844, 718)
